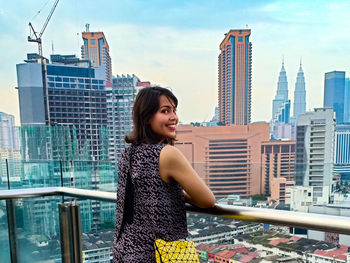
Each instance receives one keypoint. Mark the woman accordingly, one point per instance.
(161, 179)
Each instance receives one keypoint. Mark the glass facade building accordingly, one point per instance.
(334, 93)
(76, 98)
(120, 101)
(8, 132)
(342, 145)
(73, 150)
(299, 106)
(282, 92)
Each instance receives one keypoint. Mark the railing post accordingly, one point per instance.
(11, 221)
(70, 227)
(12, 229)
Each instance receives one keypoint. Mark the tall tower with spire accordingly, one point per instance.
(282, 91)
(299, 106)
(279, 126)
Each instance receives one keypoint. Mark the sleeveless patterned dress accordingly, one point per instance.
(159, 208)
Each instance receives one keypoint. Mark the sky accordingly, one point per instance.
(176, 44)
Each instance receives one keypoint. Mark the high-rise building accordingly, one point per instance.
(235, 78)
(9, 139)
(282, 92)
(315, 150)
(277, 161)
(342, 151)
(76, 98)
(120, 101)
(96, 49)
(342, 144)
(227, 158)
(299, 106)
(334, 93)
(279, 126)
(347, 101)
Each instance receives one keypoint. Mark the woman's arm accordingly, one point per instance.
(174, 166)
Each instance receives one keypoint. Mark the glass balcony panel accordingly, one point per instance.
(97, 231)
(38, 229)
(4, 234)
(3, 175)
(38, 173)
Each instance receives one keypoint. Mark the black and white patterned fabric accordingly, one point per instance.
(159, 208)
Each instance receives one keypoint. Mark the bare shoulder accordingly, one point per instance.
(171, 154)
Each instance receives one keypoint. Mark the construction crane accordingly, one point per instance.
(36, 37)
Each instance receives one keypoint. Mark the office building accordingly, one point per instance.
(120, 101)
(77, 135)
(281, 190)
(9, 139)
(315, 150)
(277, 161)
(334, 93)
(342, 144)
(299, 106)
(96, 50)
(347, 101)
(235, 78)
(227, 158)
(342, 152)
(280, 126)
(11, 168)
(282, 92)
(76, 98)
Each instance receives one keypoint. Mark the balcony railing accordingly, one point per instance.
(71, 239)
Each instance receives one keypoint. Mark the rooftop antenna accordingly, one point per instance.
(52, 48)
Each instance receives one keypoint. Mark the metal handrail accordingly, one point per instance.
(320, 222)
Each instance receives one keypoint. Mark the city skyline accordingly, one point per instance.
(178, 47)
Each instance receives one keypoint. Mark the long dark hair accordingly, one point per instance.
(145, 106)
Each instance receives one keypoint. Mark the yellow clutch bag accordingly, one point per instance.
(175, 251)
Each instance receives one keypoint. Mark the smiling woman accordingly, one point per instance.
(154, 181)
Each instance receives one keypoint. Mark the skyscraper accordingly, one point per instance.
(96, 49)
(279, 126)
(315, 150)
(347, 101)
(334, 93)
(76, 98)
(120, 101)
(8, 132)
(299, 94)
(342, 144)
(235, 70)
(282, 91)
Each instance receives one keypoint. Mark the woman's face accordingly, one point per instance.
(164, 121)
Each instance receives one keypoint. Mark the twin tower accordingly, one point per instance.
(281, 98)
